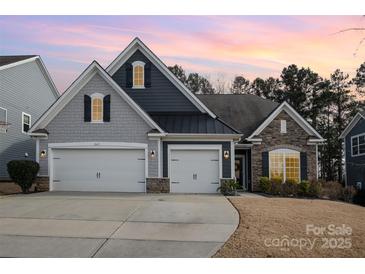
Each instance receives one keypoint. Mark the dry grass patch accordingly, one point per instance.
(7, 188)
(264, 219)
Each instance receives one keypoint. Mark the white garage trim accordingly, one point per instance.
(193, 147)
(93, 145)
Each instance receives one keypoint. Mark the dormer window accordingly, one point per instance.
(138, 74)
(97, 107)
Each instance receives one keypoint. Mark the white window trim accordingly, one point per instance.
(285, 150)
(30, 122)
(135, 64)
(6, 114)
(97, 96)
(283, 129)
(358, 145)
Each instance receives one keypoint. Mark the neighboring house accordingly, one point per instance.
(135, 127)
(26, 91)
(354, 147)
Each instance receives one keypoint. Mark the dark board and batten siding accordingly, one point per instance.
(161, 96)
(226, 164)
(355, 166)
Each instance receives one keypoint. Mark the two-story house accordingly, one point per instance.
(26, 91)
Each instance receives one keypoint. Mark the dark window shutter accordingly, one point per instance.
(129, 75)
(106, 108)
(147, 75)
(87, 108)
(265, 164)
(303, 166)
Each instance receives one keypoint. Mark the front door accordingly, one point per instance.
(240, 171)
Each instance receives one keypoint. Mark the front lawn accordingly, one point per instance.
(276, 227)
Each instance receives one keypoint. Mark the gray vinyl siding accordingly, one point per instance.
(355, 166)
(68, 126)
(153, 162)
(23, 88)
(162, 96)
(226, 164)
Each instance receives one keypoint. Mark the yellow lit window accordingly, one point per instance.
(97, 110)
(138, 77)
(285, 164)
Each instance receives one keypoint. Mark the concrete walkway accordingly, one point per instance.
(114, 225)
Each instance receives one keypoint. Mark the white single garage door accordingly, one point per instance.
(115, 170)
(194, 171)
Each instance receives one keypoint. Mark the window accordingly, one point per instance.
(97, 107)
(26, 122)
(285, 164)
(358, 145)
(138, 74)
(282, 126)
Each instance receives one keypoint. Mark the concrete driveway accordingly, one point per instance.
(114, 225)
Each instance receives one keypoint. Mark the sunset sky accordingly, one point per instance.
(215, 46)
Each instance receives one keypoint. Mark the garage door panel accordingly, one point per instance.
(194, 171)
(118, 170)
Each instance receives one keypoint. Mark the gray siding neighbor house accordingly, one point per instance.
(26, 91)
(354, 146)
(134, 127)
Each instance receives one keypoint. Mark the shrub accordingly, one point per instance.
(290, 188)
(359, 197)
(265, 185)
(303, 188)
(332, 190)
(315, 188)
(228, 187)
(348, 193)
(23, 173)
(276, 183)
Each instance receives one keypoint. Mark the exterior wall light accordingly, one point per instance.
(226, 154)
(153, 154)
(43, 154)
(26, 155)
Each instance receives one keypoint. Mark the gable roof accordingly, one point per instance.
(9, 61)
(77, 85)
(293, 114)
(137, 44)
(360, 115)
(244, 112)
(251, 114)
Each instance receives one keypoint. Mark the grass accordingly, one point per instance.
(266, 222)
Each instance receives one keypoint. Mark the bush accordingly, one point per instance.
(23, 173)
(303, 188)
(332, 190)
(348, 193)
(290, 188)
(265, 185)
(359, 197)
(228, 187)
(276, 184)
(315, 188)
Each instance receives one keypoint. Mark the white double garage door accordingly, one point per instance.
(190, 169)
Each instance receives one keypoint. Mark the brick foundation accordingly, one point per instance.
(42, 184)
(158, 185)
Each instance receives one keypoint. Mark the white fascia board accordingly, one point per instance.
(138, 44)
(48, 77)
(76, 86)
(31, 59)
(101, 145)
(37, 134)
(293, 114)
(350, 126)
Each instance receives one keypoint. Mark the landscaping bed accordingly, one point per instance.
(7, 188)
(274, 227)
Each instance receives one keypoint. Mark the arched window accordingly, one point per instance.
(138, 74)
(284, 164)
(97, 107)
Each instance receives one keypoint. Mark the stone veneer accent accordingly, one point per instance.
(158, 185)
(296, 138)
(42, 184)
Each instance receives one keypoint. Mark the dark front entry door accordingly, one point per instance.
(240, 171)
